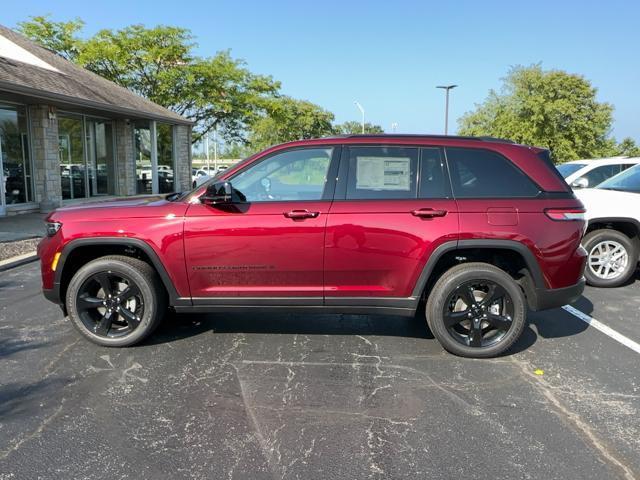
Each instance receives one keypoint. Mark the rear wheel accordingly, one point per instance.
(612, 258)
(115, 301)
(476, 310)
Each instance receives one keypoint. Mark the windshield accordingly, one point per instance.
(627, 181)
(567, 169)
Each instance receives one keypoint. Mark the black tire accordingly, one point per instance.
(453, 328)
(132, 318)
(591, 243)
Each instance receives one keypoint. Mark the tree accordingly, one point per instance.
(288, 119)
(159, 64)
(552, 109)
(59, 37)
(353, 127)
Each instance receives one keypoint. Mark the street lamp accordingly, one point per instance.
(446, 108)
(362, 112)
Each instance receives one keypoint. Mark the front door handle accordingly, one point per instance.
(300, 214)
(428, 213)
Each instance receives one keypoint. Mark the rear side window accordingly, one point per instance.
(477, 173)
(431, 181)
(382, 173)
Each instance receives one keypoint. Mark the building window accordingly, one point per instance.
(15, 166)
(144, 169)
(71, 152)
(101, 157)
(166, 183)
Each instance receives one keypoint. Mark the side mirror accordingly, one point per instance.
(217, 194)
(580, 183)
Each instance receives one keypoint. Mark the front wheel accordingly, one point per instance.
(476, 310)
(115, 301)
(612, 258)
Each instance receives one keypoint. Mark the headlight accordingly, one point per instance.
(52, 228)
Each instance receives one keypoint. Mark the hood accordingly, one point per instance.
(140, 207)
(601, 203)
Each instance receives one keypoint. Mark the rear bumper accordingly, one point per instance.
(545, 299)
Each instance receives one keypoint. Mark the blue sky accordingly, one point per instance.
(390, 55)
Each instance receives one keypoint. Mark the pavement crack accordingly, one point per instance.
(589, 436)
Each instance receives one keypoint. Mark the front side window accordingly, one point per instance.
(477, 173)
(567, 169)
(627, 181)
(14, 152)
(382, 173)
(600, 174)
(294, 175)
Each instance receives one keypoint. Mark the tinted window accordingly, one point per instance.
(627, 181)
(600, 174)
(567, 169)
(477, 173)
(382, 172)
(431, 182)
(292, 175)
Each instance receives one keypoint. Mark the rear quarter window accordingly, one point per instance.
(478, 173)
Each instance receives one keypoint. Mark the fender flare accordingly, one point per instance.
(174, 298)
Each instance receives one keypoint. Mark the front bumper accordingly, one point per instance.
(545, 299)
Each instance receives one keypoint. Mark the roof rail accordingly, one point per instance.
(418, 135)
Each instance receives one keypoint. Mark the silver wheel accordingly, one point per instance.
(608, 259)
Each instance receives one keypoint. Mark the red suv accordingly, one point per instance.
(470, 232)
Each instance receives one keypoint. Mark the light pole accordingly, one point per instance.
(362, 112)
(394, 127)
(446, 108)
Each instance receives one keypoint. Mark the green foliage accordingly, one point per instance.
(288, 119)
(551, 109)
(59, 37)
(352, 127)
(159, 64)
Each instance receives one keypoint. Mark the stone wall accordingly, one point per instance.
(46, 171)
(125, 158)
(182, 149)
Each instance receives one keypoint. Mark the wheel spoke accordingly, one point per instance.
(475, 335)
(105, 282)
(103, 326)
(498, 321)
(453, 318)
(468, 295)
(130, 291)
(132, 320)
(87, 302)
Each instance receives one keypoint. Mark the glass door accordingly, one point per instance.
(71, 148)
(101, 157)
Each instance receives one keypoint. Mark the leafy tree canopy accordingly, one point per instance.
(353, 127)
(548, 108)
(159, 63)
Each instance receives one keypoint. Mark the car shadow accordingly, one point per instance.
(179, 326)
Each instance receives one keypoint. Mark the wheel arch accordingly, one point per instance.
(629, 226)
(80, 251)
(509, 255)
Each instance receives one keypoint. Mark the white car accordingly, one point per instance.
(198, 177)
(612, 240)
(590, 173)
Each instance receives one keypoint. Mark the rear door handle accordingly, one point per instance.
(428, 213)
(300, 214)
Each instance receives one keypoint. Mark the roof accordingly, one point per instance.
(27, 69)
(606, 161)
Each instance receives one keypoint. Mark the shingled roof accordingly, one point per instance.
(30, 70)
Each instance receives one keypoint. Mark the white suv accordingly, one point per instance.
(612, 240)
(590, 173)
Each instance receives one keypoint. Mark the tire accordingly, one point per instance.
(497, 321)
(597, 244)
(135, 308)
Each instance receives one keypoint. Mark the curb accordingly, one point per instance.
(18, 260)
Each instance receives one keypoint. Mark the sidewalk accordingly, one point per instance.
(21, 227)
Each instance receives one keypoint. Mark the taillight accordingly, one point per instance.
(565, 214)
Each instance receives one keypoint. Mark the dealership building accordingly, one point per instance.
(70, 136)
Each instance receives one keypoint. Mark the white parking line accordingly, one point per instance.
(610, 332)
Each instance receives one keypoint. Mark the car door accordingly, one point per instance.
(270, 246)
(393, 207)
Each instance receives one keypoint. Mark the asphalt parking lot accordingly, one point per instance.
(327, 396)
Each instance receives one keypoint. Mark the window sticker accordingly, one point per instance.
(383, 173)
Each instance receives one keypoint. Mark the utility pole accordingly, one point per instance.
(362, 112)
(206, 147)
(446, 108)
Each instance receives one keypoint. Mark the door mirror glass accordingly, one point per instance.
(218, 193)
(580, 183)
